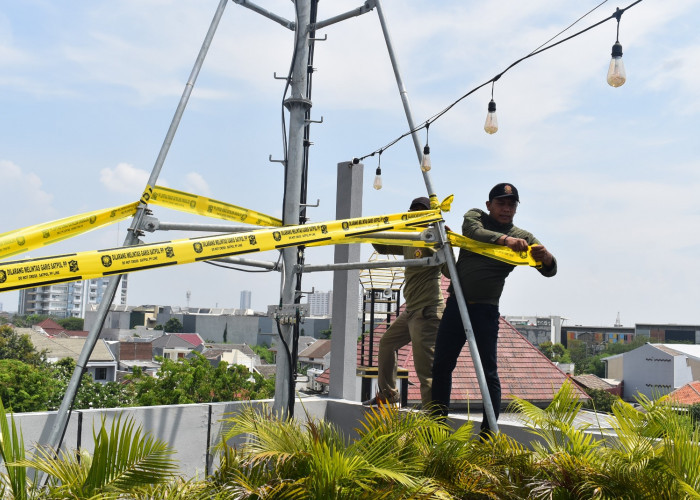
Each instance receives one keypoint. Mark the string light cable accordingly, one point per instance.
(542, 48)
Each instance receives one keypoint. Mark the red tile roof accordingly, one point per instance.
(192, 338)
(524, 371)
(688, 394)
(50, 327)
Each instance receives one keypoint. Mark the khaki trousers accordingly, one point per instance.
(420, 328)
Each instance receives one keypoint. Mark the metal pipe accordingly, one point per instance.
(442, 235)
(367, 7)
(274, 266)
(263, 12)
(59, 427)
(425, 261)
(212, 228)
(298, 103)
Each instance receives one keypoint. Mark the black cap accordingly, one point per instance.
(420, 203)
(504, 190)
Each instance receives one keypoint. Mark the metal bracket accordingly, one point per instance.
(274, 75)
(429, 235)
(150, 224)
(276, 161)
(314, 121)
(314, 39)
(318, 203)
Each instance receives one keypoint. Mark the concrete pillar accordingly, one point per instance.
(346, 288)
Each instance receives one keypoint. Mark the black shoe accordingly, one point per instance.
(381, 399)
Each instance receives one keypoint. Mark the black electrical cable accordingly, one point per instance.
(615, 15)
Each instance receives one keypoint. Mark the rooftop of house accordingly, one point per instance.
(591, 381)
(525, 372)
(316, 350)
(267, 371)
(58, 348)
(692, 350)
(689, 394)
(49, 326)
(171, 341)
(244, 348)
(192, 338)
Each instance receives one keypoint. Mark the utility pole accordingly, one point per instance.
(298, 104)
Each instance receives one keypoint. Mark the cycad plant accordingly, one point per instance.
(654, 452)
(125, 463)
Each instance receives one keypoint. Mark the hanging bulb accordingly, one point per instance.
(491, 125)
(378, 179)
(616, 72)
(425, 164)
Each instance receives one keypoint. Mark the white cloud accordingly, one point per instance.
(24, 195)
(124, 178)
(195, 184)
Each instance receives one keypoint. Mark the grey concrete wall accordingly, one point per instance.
(194, 430)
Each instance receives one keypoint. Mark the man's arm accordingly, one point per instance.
(473, 227)
(549, 263)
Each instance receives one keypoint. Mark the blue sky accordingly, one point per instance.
(608, 177)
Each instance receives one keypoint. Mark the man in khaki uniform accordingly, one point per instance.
(417, 324)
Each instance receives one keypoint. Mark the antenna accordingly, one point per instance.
(618, 324)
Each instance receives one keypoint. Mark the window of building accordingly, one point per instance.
(101, 373)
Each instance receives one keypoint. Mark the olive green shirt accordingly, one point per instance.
(483, 278)
(421, 283)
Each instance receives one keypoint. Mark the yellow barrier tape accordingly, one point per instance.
(146, 196)
(86, 265)
(29, 238)
(200, 205)
(497, 252)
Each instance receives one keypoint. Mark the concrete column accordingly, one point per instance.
(346, 288)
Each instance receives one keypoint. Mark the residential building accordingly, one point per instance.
(94, 290)
(246, 296)
(66, 300)
(317, 355)
(102, 364)
(62, 300)
(669, 333)
(320, 303)
(538, 329)
(172, 346)
(655, 370)
(233, 354)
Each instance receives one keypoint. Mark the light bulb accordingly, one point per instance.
(425, 164)
(491, 125)
(616, 72)
(378, 179)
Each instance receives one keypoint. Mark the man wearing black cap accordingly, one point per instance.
(482, 280)
(417, 324)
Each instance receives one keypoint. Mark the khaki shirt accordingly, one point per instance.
(422, 283)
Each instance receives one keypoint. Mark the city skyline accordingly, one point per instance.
(604, 174)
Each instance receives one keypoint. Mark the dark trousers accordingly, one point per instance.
(451, 337)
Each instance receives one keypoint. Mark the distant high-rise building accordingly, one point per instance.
(95, 290)
(246, 295)
(320, 303)
(65, 300)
